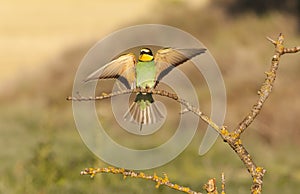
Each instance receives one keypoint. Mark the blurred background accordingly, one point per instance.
(43, 42)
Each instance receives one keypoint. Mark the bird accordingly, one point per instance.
(144, 72)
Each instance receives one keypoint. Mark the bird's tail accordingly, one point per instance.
(143, 111)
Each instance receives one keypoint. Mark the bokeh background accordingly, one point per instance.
(43, 42)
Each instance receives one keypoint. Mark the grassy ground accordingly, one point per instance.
(41, 150)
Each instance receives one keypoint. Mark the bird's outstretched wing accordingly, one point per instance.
(123, 68)
(168, 58)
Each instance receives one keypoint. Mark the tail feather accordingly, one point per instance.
(131, 113)
(147, 115)
(157, 112)
(151, 115)
(143, 115)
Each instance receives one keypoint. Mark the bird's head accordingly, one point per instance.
(146, 55)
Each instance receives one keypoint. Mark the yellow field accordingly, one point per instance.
(35, 32)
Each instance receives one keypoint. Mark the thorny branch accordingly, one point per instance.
(210, 186)
(129, 173)
(231, 138)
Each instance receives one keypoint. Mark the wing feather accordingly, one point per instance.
(167, 58)
(123, 67)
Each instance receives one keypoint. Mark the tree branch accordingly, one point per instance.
(129, 173)
(102, 97)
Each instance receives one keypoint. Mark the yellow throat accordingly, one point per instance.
(145, 57)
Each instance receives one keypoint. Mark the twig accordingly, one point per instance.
(164, 93)
(223, 183)
(129, 173)
(103, 96)
(211, 187)
(266, 87)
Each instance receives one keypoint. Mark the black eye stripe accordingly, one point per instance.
(146, 51)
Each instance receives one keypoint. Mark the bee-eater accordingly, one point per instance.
(144, 73)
